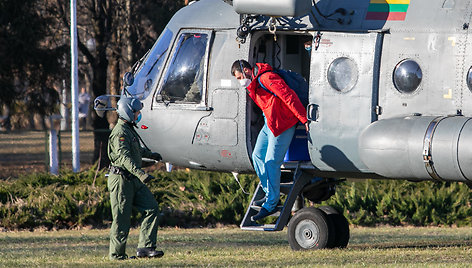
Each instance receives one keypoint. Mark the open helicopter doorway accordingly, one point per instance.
(286, 51)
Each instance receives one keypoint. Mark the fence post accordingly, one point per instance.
(54, 126)
(46, 150)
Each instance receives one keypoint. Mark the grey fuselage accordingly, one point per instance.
(390, 92)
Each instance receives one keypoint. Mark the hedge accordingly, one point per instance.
(202, 198)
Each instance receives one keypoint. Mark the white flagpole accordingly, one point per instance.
(74, 87)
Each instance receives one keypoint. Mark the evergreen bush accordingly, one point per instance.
(202, 198)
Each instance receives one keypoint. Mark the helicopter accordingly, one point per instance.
(390, 94)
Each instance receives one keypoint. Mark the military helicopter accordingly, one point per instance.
(390, 96)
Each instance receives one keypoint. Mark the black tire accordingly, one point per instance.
(308, 229)
(341, 226)
(331, 231)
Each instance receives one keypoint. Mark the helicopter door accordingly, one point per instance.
(342, 86)
(179, 103)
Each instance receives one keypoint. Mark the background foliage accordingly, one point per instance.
(199, 198)
(35, 55)
(29, 61)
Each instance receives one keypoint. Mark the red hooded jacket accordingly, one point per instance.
(282, 111)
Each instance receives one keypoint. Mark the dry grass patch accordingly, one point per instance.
(24, 152)
(232, 247)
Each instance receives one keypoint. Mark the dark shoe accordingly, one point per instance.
(149, 253)
(259, 202)
(262, 214)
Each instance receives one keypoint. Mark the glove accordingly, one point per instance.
(156, 156)
(148, 178)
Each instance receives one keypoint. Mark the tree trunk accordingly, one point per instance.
(101, 30)
(114, 85)
(100, 125)
(129, 36)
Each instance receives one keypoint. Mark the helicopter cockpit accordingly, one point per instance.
(148, 68)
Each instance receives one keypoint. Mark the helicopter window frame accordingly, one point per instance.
(148, 70)
(202, 103)
(166, 38)
(468, 79)
(335, 75)
(409, 91)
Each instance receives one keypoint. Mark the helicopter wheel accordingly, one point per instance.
(341, 226)
(308, 229)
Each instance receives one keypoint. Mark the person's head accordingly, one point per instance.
(241, 69)
(129, 109)
(307, 42)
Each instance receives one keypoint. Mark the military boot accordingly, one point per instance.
(149, 253)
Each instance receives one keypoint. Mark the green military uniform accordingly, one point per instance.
(127, 189)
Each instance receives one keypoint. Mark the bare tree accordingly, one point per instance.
(29, 64)
(121, 31)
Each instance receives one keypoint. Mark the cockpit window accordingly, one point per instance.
(147, 70)
(183, 82)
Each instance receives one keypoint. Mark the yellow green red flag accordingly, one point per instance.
(387, 9)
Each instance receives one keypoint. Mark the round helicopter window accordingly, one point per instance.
(407, 76)
(469, 79)
(343, 74)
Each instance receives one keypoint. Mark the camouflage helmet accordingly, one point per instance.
(126, 107)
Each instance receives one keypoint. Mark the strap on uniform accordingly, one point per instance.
(262, 85)
(119, 171)
(139, 137)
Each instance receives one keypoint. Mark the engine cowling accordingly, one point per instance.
(419, 148)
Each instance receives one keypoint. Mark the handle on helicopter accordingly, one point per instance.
(312, 113)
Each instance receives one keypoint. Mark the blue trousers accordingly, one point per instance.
(267, 157)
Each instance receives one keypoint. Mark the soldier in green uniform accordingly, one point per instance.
(126, 184)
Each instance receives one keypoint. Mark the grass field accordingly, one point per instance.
(232, 247)
(23, 152)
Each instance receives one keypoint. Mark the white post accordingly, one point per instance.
(74, 87)
(168, 167)
(54, 126)
(53, 161)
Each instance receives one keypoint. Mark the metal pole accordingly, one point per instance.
(53, 163)
(74, 87)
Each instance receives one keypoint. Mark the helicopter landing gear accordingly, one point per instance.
(308, 229)
(340, 225)
(317, 228)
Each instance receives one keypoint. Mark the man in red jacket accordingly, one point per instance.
(282, 110)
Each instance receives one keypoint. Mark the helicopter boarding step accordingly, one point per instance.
(291, 189)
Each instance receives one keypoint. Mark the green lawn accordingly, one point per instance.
(230, 247)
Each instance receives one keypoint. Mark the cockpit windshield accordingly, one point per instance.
(148, 69)
(183, 82)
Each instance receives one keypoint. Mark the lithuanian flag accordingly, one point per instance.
(387, 9)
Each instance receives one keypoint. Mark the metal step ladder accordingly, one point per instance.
(291, 189)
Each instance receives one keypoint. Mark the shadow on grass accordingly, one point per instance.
(414, 245)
